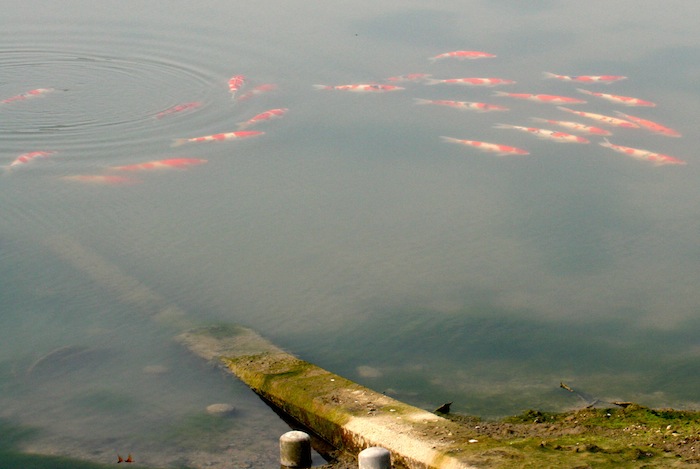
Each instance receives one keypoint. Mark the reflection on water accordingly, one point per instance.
(348, 232)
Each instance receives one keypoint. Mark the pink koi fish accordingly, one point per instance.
(235, 83)
(28, 95)
(260, 89)
(25, 158)
(613, 98)
(472, 81)
(586, 78)
(102, 179)
(497, 148)
(179, 108)
(263, 116)
(651, 126)
(172, 163)
(545, 133)
(657, 159)
(574, 126)
(409, 77)
(218, 137)
(609, 120)
(462, 105)
(361, 88)
(541, 98)
(462, 54)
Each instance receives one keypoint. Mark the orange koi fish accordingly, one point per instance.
(172, 163)
(260, 89)
(119, 459)
(462, 105)
(361, 88)
(545, 133)
(601, 118)
(218, 137)
(409, 77)
(498, 149)
(129, 459)
(462, 54)
(25, 158)
(179, 108)
(101, 179)
(235, 83)
(586, 78)
(651, 126)
(472, 81)
(541, 98)
(263, 116)
(28, 95)
(574, 126)
(657, 159)
(626, 100)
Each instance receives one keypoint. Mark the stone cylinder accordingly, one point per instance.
(295, 450)
(374, 457)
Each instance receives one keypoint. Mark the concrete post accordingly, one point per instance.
(374, 457)
(295, 450)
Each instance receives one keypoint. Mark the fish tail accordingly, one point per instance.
(178, 142)
(503, 126)
(500, 93)
(323, 87)
(549, 75)
(421, 101)
(538, 119)
(581, 90)
(449, 139)
(432, 81)
(566, 109)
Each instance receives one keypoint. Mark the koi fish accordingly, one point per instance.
(129, 459)
(28, 95)
(119, 459)
(235, 83)
(472, 81)
(462, 105)
(25, 158)
(260, 89)
(541, 98)
(626, 100)
(409, 77)
(545, 133)
(462, 54)
(586, 78)
(602, 118)
(651, 126)
(263, 116)
(161, 164)
(657, 159)
(101, 179)
(498, 149)
(217, 137)
(179, 108)
(574, 126)
(361, 87)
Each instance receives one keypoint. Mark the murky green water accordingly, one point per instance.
(348, 233)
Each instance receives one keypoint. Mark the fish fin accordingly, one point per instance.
(178, 142)
(323, 87)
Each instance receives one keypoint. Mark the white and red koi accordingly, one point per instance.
(171, 163)
(609, 120)
(28, 95)
(25, 158)
(218, 137)
(586, 78)
(235, 83)
(617, 99)
(541, 98)
(462, 105)
(657, 159)
(651, 126)
(471, 81)
(409, 77)
(102, 179)
(574, 126)
(179, 108)
(497, 148)
(260, 89)
(545, 133)
(361, 88)
(263, 116)
(463, 54)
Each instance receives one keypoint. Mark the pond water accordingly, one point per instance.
(349, 232)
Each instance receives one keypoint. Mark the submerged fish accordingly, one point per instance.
(263, 116)
(575, 126)
(472, 81)
(545, 133)
(657, 159)
(260, 89)
(101, 179)
(626, 100)
(541, 98)
(586, 78)
(178, 108)
(28, 95)
(235, 83)
(409, 77)
(601, 118)
(462, 105)
(25, 158)
(497, 148)
(218, 137)
(361, 87)
(462, 54)
(651, 126)
(171, 163)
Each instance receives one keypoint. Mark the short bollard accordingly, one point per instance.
(374, 457)
(295, 449)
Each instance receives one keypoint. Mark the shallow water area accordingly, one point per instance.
(348, 233)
